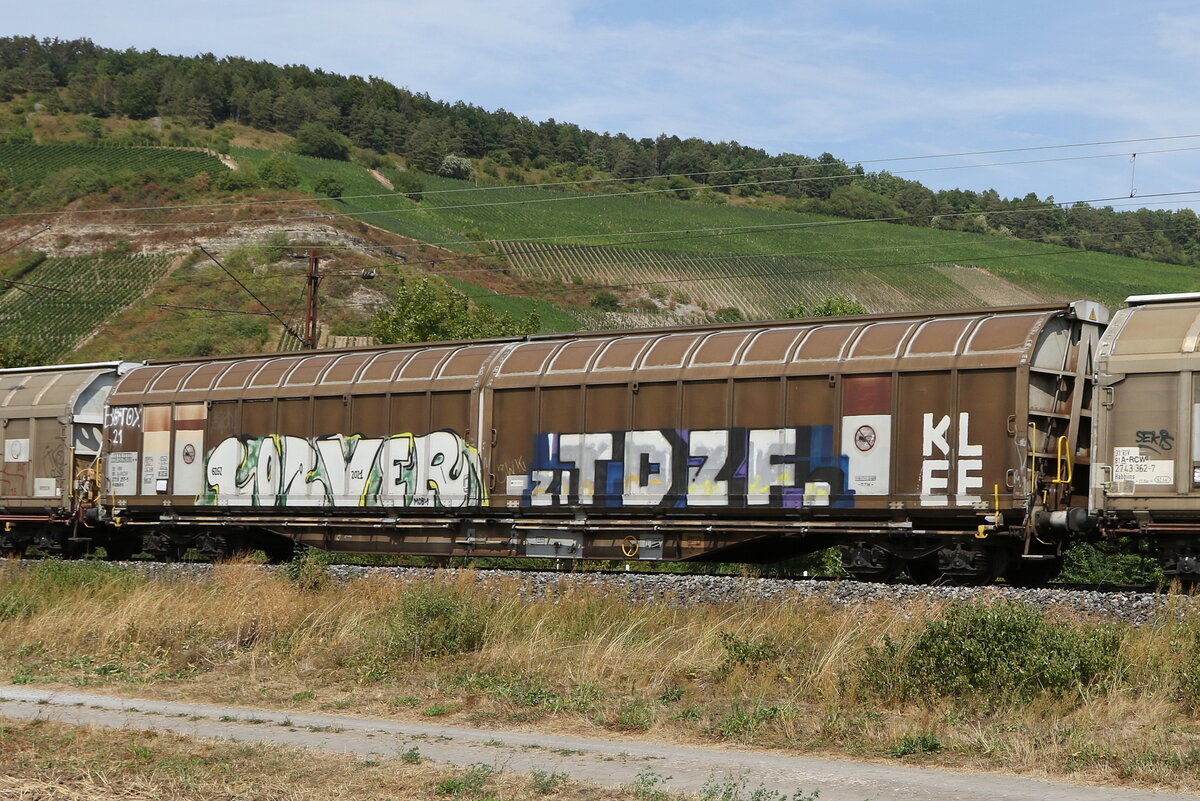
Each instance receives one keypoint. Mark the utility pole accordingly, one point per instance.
(310, 314)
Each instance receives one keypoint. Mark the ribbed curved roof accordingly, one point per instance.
(1154, 329)
(67, 391)
(990, 337)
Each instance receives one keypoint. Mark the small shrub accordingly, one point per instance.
(234, 180)
(648, 784)
(750, 652)
(735, 789)
(453, 166)
(638, 715)
(278, 173)
(433, 621)
(407, 183)
(329, 186)
(671, 695)
(473, 780)
(411, 757)
(309, 570)
(605, 301)
(916, 744)
(992, 654)
(728, 314)
(741, 721)
(544, 783)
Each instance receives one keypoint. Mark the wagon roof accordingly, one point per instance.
(1001, 336)
(66, 391)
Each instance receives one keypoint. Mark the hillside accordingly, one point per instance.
(120, 273)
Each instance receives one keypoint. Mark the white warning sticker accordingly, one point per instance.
(867, 446)
(1129, 464)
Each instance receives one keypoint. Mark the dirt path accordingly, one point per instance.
(378, 176)
(602, 761)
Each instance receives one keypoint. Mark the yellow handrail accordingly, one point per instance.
(1063, 455)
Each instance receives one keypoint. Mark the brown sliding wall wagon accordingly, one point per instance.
(951, 443)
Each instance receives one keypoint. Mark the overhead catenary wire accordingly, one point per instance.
(250, 292)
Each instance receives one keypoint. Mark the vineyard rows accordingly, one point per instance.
(758, 286)
(24, 163)
(95, 288)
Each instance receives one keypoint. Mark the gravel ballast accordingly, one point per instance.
(1127, 606)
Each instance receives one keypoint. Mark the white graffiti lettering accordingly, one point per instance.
(649, 475)
(586, 451)
(766, 465)
(935, 473)
(434, 470)
(781, 467)
(705, 486)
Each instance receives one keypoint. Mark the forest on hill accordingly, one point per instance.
(377, 116)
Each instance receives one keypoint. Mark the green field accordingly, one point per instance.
(554, 318)
(363, 196)
(26, 163)
(63, 300)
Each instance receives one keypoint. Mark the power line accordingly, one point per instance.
(250, 292)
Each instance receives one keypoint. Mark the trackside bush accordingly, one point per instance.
(992, 654)
(27, 591)
(433, 621)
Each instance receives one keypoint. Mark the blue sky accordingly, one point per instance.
(863, 80)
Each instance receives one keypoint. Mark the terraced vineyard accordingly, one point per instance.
(91, 289)
(771, 258)
(26, 163)
(763, 286)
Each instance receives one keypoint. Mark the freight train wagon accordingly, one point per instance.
(51, 420)
(1146, 481)
(950, 443)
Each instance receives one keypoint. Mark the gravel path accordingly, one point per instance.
(601, 761)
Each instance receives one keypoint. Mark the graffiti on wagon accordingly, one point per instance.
(433, 470)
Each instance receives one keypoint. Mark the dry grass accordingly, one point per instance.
(41, 761)
(801, 676)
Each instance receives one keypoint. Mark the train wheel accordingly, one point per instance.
(972, 567)
(865, 562)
